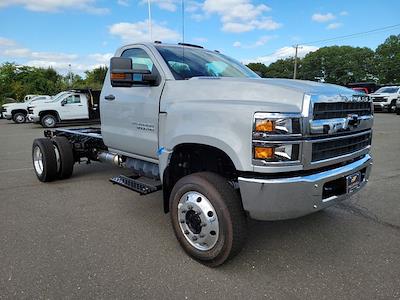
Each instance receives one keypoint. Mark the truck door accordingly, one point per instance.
(74, 107)
(129, 115)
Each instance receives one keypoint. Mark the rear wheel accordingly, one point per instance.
(208, 218)
(44, 160)
(19, 118)
(49, 121)
(65, 157)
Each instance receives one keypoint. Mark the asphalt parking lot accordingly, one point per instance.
(86, 238)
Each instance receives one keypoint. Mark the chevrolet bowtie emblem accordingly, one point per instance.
(353, 120)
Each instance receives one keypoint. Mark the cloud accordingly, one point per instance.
(123, 3)
(334, 26)
(4, 42)
(168, 5)
(11, 51)
(236, 16)
(139, 32)
(321, 18)
(344, 13)
(282, 53)
(56, 5)
(200, 40)
(260, 42)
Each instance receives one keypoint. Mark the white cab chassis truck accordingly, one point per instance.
(78, 106)
(222, 143)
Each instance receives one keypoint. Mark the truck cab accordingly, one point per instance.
(73, 105)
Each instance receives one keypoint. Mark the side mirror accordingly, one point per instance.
(63, 102)
(124, 74)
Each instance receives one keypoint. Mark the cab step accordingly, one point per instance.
(142, 185)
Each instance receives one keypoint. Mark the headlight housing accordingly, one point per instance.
(275, 139)
(276, 124)
(276, 152)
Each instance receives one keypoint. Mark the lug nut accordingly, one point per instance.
(190, 207)
(194, 238)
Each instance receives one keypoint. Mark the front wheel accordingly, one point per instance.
(207, 217)
(392, 106)
(19, 118)
(44, 159)
(49, 121)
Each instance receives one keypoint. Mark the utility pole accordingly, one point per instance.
(150, 25)
(296, 47)
(70, 75)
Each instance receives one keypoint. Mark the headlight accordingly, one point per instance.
(276, 124)
(276, 152)
(276, 138)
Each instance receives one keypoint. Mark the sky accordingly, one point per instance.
(86, 33)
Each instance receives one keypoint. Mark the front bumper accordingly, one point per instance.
(381, 106)
(33, 118)
(287, 198)
(7, 116)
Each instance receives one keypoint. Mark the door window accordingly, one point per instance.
(139, 56)
(73, 99)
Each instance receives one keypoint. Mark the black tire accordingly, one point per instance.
(48, 170)
(397, 110)
(19, 118)
(391, 105)
(228, 207)
(49, 121)
(66, 163)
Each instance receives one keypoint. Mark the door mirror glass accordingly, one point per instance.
(124, 73)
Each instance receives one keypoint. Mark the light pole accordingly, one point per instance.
(70, 75)
(150, 25)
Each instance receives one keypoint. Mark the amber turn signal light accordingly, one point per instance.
(264, 152)
(118, 76)
(265, 125)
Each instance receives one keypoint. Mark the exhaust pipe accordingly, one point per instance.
(109, 157)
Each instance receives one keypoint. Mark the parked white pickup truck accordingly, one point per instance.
(18, 111)
(385, 98)
(222, 143)
(77, 106)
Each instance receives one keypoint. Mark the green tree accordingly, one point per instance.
(387, 60)
(260, 68)
(339, 64)
(283, 68)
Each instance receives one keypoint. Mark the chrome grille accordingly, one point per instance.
(332, 110)
(378, 99)
(341, 146)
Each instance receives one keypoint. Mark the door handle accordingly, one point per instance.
(110, 97)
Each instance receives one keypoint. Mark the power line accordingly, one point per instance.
(353, 35)
(386, 28)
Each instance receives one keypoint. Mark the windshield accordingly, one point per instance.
(58, 96)
(198, 62)
(389, 90)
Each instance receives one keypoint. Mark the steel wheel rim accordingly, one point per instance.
(20, 118)
(38, 160)
(49, 121)
(198, 221)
